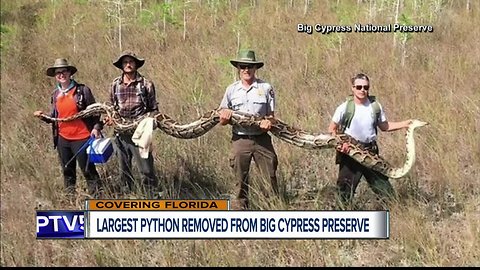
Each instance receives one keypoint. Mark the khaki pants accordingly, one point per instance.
(259, 148)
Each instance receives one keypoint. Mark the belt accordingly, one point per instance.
(124, 133)
(249, 137)
(355, 141)
(370, 144)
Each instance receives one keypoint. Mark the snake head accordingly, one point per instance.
(417, 123)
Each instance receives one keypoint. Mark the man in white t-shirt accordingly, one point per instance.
(363, 128)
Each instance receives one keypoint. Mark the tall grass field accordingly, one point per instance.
(430, 76)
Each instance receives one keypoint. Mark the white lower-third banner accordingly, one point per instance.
(238, 224)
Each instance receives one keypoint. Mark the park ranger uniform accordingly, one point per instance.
(251, 142)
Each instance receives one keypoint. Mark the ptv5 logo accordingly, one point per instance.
(60, 224)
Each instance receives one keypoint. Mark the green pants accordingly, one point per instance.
(349, 175)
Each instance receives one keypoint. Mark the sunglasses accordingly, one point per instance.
(246, 66)
(64, 72)
(359, 87)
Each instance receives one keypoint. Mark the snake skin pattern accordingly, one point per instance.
(279, 129)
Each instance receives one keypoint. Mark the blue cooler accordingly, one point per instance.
(100, 150)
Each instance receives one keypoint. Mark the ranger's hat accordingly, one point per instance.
(60, 63)
(246, 57)
(138, 60)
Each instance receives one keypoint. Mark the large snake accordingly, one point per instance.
(279, 129)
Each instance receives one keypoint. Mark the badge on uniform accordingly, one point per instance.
(272, 93)
(260, 92)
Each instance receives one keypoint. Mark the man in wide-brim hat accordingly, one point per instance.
(139, 61)
(133, 96)
(61, 63)
(246, 57)
(252, 96)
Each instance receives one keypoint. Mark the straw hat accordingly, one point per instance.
(60, 63)
(138, 60)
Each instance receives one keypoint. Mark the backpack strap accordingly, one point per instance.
(80, 93)
(115, 90)
(350, 112)
(53, 102)
(54, 114)
(141, 91)
(376, 111)
(348, 115)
